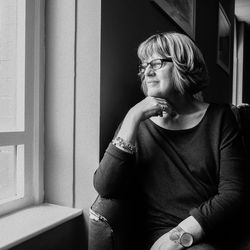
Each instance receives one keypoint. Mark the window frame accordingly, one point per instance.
(32, 136)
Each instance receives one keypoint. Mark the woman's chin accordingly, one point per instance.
(154, 94)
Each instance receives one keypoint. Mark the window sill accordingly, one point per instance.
(20, 226)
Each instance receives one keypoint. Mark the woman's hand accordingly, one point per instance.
(164, 243)
(143, 110)
(148, 107)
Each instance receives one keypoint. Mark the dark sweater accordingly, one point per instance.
(178, 173)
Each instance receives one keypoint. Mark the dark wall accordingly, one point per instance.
(246, 71)
(127, 23)
(220, 89)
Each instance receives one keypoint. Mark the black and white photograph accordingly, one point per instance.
(124, 125)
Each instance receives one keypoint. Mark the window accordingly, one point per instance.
(21, 77)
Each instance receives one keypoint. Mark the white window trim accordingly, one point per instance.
(34, 77)
(39, 79)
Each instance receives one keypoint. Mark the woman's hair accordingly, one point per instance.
(189, 72)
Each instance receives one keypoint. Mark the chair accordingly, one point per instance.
(110, 219)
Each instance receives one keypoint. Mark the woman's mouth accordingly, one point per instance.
(150, 83)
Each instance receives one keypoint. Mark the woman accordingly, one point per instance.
(181, 158)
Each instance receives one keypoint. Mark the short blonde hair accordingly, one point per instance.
(189, 69)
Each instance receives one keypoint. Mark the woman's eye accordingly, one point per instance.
(156, 65)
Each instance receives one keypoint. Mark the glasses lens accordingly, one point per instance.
(142, 67)
(156, 64)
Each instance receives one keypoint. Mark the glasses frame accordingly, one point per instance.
(143, 66)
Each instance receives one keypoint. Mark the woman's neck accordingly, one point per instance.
(183, 104)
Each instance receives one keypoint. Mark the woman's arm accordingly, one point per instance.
(115, 172)
(225, 207)
(114, 175)
(143, 110)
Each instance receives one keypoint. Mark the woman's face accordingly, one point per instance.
(159, 82)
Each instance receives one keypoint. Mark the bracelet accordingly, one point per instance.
(128, 147)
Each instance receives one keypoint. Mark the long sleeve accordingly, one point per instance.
(114, 176)
(226, 205)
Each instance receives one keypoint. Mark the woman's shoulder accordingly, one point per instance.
(220, 108)
(213, 110)
(223, 112)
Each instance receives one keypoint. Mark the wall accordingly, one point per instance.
(220, 89)
(72, 101)
(59, 101)
(124, 25)
(87, 97)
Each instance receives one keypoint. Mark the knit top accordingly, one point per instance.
(177, 173)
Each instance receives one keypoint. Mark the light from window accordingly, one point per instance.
(11, 67)
(11, 172)
(7, 171)
(12, 91)
(21, 95)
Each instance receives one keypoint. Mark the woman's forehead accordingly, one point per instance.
(151, 57)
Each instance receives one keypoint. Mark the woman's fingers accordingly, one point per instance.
(159, 106)
(166, 109)
(164, 104)
(151, 106)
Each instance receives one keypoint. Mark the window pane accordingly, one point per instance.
(7, 172)
(11, 171)
(11, 66)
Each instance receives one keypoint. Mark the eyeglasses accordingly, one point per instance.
(154, 64)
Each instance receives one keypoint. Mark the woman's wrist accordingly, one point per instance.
(181, 237)
(191, 225)
(124, 145)
(135, 115)
(129, 127)
(164, 242)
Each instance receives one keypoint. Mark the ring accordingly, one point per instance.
(163, 108)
